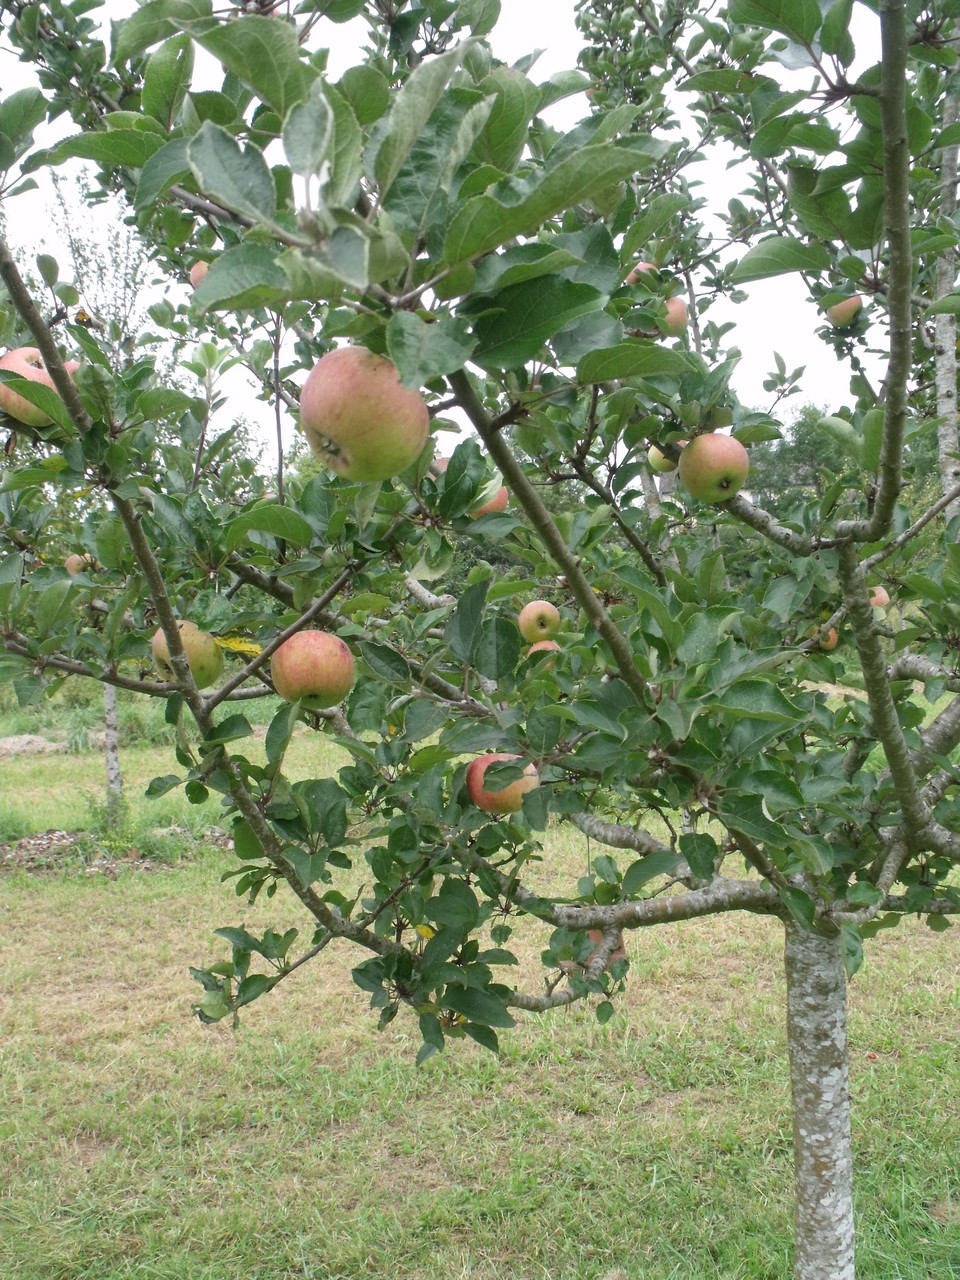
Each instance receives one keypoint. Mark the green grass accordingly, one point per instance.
(135, 1142)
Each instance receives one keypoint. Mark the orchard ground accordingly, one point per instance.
(135, 1141)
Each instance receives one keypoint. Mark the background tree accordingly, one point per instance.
(422, 208)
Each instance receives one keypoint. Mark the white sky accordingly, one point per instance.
(777, 315)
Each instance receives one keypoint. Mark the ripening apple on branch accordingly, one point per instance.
(359, 417)
(203, 654)
(508, 799)
(538, 620)
(26, 362)
(313, 667)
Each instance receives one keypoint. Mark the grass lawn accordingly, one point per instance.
(135, 1142)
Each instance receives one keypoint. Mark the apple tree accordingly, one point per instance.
(420, 209)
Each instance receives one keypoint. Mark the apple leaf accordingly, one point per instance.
(271, 518)
(778, 255)
(498, 649)
(422, 351)
(131, 148)
(634, 358)
(386, 663)
(162, 170)
(20, 113)
(248, 275)
(478, 1006)
(522, 205)
(368, 92)
(462, 633)
(798, 19)
(308, 133)
(239, 179)
(394, 134)
(153, 22)
(758, 700)
(41, 397)
(526, 316)
(262, 53)
(167, 79)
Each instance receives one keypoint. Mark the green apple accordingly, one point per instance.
(313, 667)
(658, 462)
(714, 467)
(359, 417)
(203, 654)
(508, 799)
(538, 620)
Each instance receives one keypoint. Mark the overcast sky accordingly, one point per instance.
(777, 315)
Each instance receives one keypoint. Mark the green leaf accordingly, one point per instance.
(659, 213)
(515, 101)
(251, 988)
(270, 518)
(948, 305)
(386, 662)
(702, 634)
(263, 54)
(308, 133)
(131, 148)
(246, 276)
(662, 863)
(49, 268)
(160, 786)
(487, 221)
(478, 1006)
(368, 92)
(347, 160)
(230, 729)
(526, 316)
(778, 255)
(153, 22)
(422, 351)
(498, 649)
(634, 358)
(798, 19)
(395, 134)
(20, 113)
(462, 633)
(167, 79)
(834, 35)
(758, 699)
(239, 179)
(162, 170)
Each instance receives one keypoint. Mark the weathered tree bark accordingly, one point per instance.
(820, 1090)
(945, 326)
(111, 747)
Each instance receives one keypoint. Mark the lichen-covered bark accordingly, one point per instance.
(111, 747)
(945, 326)
(820, 1088)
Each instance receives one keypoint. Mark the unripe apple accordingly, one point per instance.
(842, 314)
(714, 467)
(359, 417)
(198, 271)
(203, 654)
(880, 597)
(508, 799)
(538, 620)
(27, 363)
(677, 318)
(830, 640)
(314, 667)
(659, 462)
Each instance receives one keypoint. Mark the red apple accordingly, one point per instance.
(830, 640)
(540, 646)
(842, 314)
(879, 597)
(359, 417)
(27, 363)
(77, 564)
(314, 667)
(677, 318)
(198, 271)
(538, 620)
(639, 271)
(203, 654)
(497, 503)
(714, 467)
(510, 798)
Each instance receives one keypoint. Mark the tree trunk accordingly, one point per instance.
(111, 747)
(945, 326)
(820, 1089)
